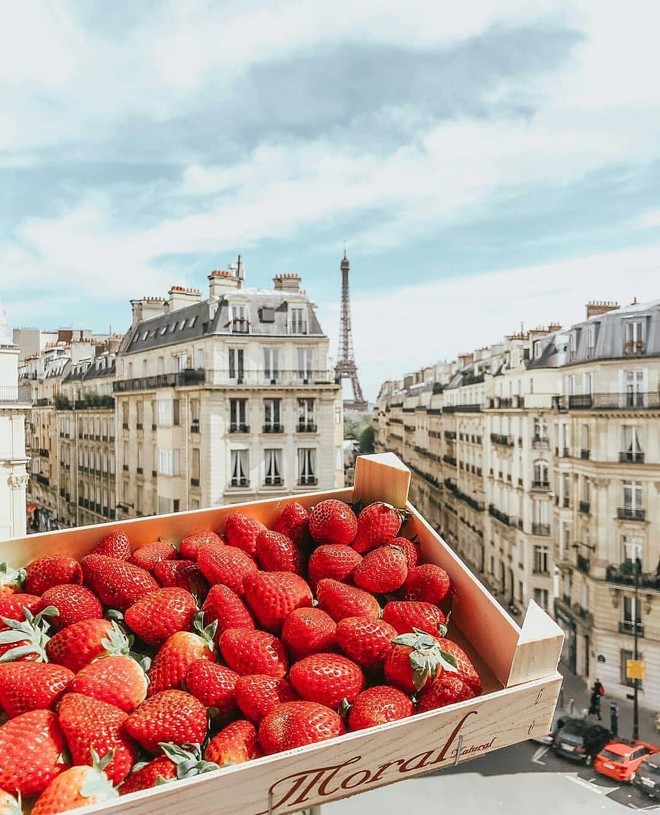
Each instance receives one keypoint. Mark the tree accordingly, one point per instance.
(366, 441)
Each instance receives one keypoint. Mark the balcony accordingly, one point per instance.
(308, 481)
(42, 479)
(194, 482)
(585, 507)
(140, 470)
(540, 443)
(449, 460)
(628, 627)
(630, 514)
(624, 575)
(502, 441)
(506, 403)
(462, 409)
(502, 517)
(240, 482)
(273, 428)
(13, 394)
(585, 454)
(273, 481)
(194, 427)
(583, 563)
(154, 473)
(632, 456)
(575, 610)
(450, 435)
(542, 530)
(240, 325)
(306, 427)
(238, 427)
(191, 376)
(298, 327)
(641, 400)
(541, 485)
(124, 467)
(43, 452)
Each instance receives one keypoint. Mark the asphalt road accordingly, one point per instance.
(525, 779)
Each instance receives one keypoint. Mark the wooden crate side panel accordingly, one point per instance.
(381, 477)
(539, 648)
(358, 762)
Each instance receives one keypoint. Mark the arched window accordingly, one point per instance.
(541, 473)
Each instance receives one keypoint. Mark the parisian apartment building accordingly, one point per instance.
(538, 460)
(203, 402)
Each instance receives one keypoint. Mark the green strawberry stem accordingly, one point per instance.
(205, 632)
(426, 657)
(188, 759)
(118, 643)
(9, 576)
(32, 631)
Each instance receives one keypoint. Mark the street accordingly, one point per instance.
(519, 780)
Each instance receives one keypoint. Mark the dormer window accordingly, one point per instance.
(297, 323)
(239, 320)
(633, 337)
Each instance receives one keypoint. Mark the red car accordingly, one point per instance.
(620, 759)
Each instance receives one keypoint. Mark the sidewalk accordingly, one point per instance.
(575, 688)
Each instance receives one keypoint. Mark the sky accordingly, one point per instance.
(486, 164)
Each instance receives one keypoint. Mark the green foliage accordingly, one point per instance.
(366, 440)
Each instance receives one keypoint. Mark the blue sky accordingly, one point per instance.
(487, 163)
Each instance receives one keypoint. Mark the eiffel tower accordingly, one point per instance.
(345, 367)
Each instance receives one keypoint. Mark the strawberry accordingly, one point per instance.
(89, 724)
(115, 545)
(459, 659)
(184, 574)
(327, 679)
(31, 746)
(410, 548)
(293, 522)
(405, 615)
(161, 613)
(51, 570)
(241, 531)
(258, 694)
(74, 788)
(11, 579)
(377, 524)
(190, 544)
(276, 552)
(9, 805)
(379, 705)
(225, 564)
(13, 606)
(31, 686)
(335, 561)
(147, 556)
(364, 640)
(271, 596)
(414, 659)
(445, 689)
(234, 744)
(332, 521)
(253, 652)
(225, 606)
(428, 583)
(80, 643)
(117, 679)
(308, 631)
(26, 639)
(342, 601)
(294, 724)
(73, 603)
(117, 583)
(176, 763)
(169, 716)
(214, 685)
(177, 654)
(382, 570)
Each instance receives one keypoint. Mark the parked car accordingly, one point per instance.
(580, 740)
(558, 721)
(647, 777)
(620, 758)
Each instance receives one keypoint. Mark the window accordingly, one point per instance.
(565, 490)
(139, 500)
(587, 383)
(124, 415)
(273, 468)
(634, 337)
(541, 559)
(163, 330)
(272, 415)
(585, 440)
(631, 549)
(175, 411)
(306, 466)
(541, 597)
(239, 321)
(139, 407)
(168, 462)
(631, 615)
(540, 522)
(634, 388)
(297, 324)
(239, 468)
(306, 416)
(182, 325)
(540, 429)
(164, 505)
(267, 315)
(139, 457)
(238, 416)
(236, 369)
(181, 362)
(165, 412)
(305, 364)
(631, 449)
(541, 474)
(195, 464)
(271, 365)
(591, 340)
(632, 495)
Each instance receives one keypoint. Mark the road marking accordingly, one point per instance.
(590, 785)
(538, 755)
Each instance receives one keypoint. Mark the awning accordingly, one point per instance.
(30, 508)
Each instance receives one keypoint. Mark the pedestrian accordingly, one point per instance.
(597, 690)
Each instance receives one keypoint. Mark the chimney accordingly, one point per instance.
(222, 280)
(146, 308)
(287, 282)
(180, 297)
(597, 307)
(466, 359)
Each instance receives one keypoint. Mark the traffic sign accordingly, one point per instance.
(635, 669)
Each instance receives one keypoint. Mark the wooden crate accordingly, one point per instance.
(518, 668)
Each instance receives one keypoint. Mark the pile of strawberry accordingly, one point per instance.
(132, 668)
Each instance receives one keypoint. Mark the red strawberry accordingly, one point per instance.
(31, 746)
(225, 606)
(445, 689)
(169, 716)
(253, 652)
(258, 694)
(73, 602)
(308, 631)
(276, 552)
(332, 521)
(364, 640)
(293, 521)
(335, 561)
(51, 570)
(115, 545)
(117, 583)
(190, 544)
(161, 613)
(13, 606)
(327, 679)
(80, 643)
(11, 579)
(118, 680)
(214, 685)
(74, 788)
(405, 615)
(379, 705)
(428, 582)
(177, 763)
(225, 564)
(377, 524)
(294, 724)
(184, 574)
(462, 663)
(410, 548)
(241, 531)
(382, 570)
(89, 724)
(234, 744)
(414, 659)
(177, 654)
(31, 686)
(342, 601)
(147, 556)
(271, 596)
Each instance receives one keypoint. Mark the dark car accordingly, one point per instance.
(580, 740)
(647, 777)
